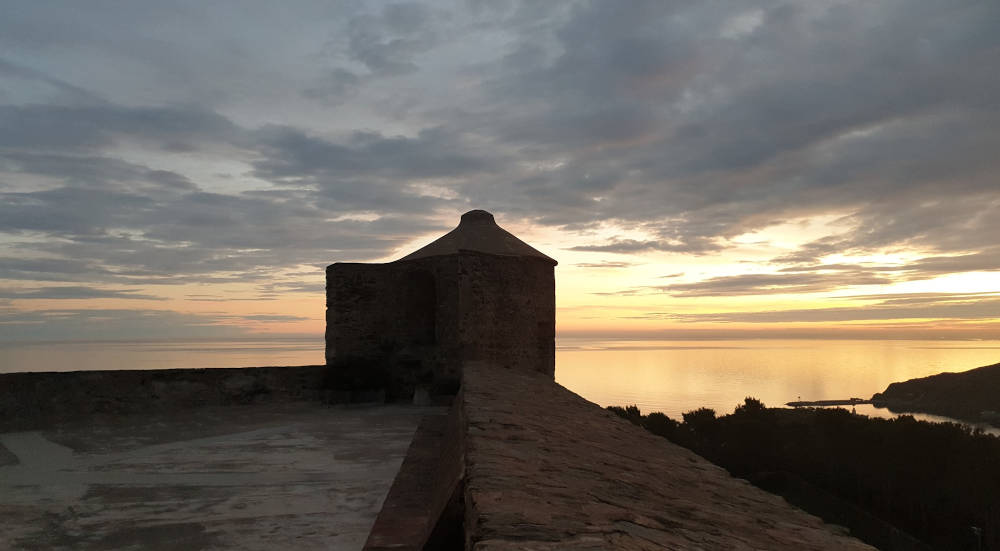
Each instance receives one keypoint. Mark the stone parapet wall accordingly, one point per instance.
(507, 312)
(390, 325)
(376, 308)
(35, 400)
(546, 469)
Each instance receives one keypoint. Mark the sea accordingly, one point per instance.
(668, 376)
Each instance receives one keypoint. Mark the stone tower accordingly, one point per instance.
(476, 293)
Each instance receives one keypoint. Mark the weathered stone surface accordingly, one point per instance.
(546, 470)
(260, 477)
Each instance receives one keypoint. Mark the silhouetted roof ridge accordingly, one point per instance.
(478, 231)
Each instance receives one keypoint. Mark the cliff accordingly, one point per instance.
(969, 395)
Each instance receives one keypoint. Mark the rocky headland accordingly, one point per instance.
(972, 395)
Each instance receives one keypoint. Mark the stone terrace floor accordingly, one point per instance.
(285, 476)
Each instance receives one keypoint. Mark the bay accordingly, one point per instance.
(667, 376)
(673, 377)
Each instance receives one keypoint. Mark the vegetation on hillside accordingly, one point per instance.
(882, 478)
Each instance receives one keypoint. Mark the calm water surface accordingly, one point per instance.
(87, 356)
(668, 376)
(678, 376)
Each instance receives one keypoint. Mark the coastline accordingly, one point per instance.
(971, 396)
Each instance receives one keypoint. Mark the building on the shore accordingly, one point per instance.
(476, 293)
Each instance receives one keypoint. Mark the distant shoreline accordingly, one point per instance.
(972, 396)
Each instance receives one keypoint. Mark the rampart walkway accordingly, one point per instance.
(546, 469)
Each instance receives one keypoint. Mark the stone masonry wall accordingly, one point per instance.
(386, 323)
(409, 323)
(35, 400)
(507, 314)
(375, 307)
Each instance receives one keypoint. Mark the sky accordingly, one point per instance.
(700, 169)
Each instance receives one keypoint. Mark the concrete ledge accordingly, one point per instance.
(423, 507)
(546, 469)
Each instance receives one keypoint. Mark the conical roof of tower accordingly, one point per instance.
(479, 232)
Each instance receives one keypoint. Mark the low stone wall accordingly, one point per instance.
(546, 469)
(36, 400)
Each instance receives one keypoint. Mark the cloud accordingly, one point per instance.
(104, 324)
(913, 299)
(272, 318)
(386, 43)
(803, 261)
(63, 90)
(636, 291)
(52, 269)
(986, 260)
(604, 264)
(335, 88)
(35, 128)
(94, 172)
(814, 110)
(779, 283)
(292, 156)
(631, 246)
(943, 306)
(73, 293)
